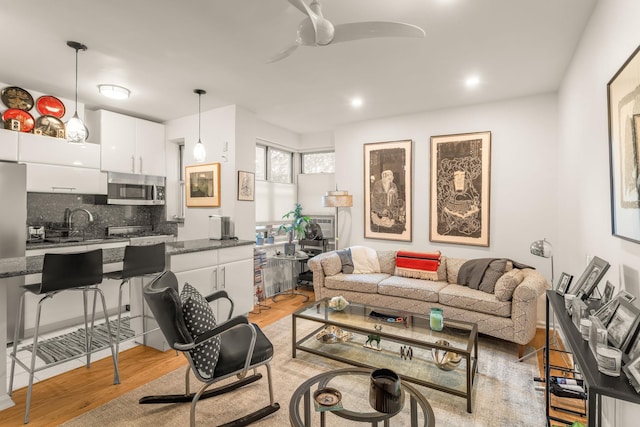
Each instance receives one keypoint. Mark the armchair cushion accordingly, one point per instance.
(199, 318)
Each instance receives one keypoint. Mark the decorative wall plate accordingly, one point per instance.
(50, 106)
(16, 97)
(49, 126)
(25, 119)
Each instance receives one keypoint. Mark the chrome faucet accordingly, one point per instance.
(68, 215)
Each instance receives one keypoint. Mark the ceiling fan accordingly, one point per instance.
(315, 30)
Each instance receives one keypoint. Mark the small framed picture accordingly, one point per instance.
(632, 370)
(623, 320)
(246, 186)
(563, 283)
(632, 347)
(590, 278)
(608, 293)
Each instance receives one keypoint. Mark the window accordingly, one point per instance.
(274, 165)
(318, 162)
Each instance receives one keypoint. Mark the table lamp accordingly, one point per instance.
(337, 199)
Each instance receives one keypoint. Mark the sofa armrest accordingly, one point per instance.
(524, 305)
(315, 265)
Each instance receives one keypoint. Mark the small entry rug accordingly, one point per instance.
(72, 344)
(504, 393)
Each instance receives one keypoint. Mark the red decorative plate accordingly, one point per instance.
(49, 126)
(25, 119)
(50, 106)
(16, 97)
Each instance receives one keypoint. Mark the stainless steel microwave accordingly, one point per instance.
(130, 189)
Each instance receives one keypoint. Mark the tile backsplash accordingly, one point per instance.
(47, 209)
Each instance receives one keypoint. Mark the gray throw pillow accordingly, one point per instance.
(491, 275)
(199, 318)
(345, 259)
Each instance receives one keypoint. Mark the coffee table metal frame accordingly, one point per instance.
(303, 392)
(321, 314)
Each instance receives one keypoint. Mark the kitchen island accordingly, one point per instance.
(207, 264)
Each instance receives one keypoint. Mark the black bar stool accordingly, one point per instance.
(139, 261)
(63, 272)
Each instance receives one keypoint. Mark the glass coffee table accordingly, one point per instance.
(353, 385)
(374, 337)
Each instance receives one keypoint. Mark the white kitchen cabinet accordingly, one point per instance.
(55, 151)
(235, 275)
(43, 178)
(8, 145)
(128, 144)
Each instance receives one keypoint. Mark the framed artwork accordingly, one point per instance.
(387, 190)
(246, 186)
(460, 183)
(608, 293)
(623, 320)
(623, 94)
(563, 283)
(632, 370)
(590, 277)
(632, 346)
(202, 186)
(606, 310)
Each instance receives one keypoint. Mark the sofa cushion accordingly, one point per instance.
(387, 261)
(365, 283)
(365, 260)
(473, 300)
(507, 284)
(346, 261)
(418, 289)
(453, 266)
(331, 264)
(491, 275)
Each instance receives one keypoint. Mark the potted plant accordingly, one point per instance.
(296, 228)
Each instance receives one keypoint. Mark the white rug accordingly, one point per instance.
(503, 395)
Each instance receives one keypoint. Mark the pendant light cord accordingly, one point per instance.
(199, 115)
(76, 80)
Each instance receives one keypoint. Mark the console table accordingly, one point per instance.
(597, 384)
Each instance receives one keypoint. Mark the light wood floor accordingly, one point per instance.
(68, 395)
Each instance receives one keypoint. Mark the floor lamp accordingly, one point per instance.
(337, 199)
(541, 248)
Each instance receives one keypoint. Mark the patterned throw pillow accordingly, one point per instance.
(492, 274)
(345, 259)
(199, 318)
(507, 284)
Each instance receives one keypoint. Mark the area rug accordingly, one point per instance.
(503, 395)
(72, 344)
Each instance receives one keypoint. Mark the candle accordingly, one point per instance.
(609, 359)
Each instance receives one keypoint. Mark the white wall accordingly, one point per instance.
(584, 220)
(523, 165)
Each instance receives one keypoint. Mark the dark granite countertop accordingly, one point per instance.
(22, 266)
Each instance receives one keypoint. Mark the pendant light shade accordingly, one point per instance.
(76, 130)
(199, 152)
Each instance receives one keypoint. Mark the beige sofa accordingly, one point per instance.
(509, 313)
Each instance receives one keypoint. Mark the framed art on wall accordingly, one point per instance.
(387, 190)
(202, 186)
(246, 186)
(460, 184)
(623, 94)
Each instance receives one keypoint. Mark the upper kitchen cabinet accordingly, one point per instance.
(8, 145)
(128, 144)
(56, 151)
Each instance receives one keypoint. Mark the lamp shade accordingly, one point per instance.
(542, 248)
(337, 199)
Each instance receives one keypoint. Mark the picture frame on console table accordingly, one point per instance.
(460, 188)
(388, 190)
(623, 322)
(563, 283)
(202, 185)
(590, 277)
(623, 94)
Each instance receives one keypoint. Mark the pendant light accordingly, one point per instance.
(199, 152)
(75, 129)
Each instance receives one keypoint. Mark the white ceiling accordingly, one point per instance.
(163, 49)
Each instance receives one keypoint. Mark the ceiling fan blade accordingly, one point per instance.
(313, 17)
(301, 6)
(283, 54)
(366, 30)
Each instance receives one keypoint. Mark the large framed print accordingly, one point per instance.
(460, 184)
(623, 93)
(203, 185)
(387, 190)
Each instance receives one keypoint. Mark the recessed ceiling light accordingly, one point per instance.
(114, 92)
(472, 81)
(356, 102)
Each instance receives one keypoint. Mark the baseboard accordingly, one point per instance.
(6, 402)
